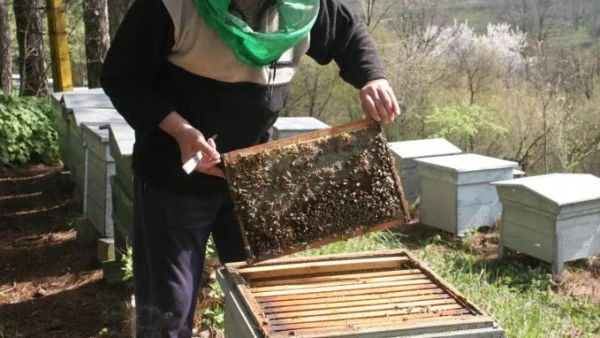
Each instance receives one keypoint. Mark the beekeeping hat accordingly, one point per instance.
(260, 49)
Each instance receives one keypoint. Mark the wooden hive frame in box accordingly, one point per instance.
(314, 189)
(373, 294)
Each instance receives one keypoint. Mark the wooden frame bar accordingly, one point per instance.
(234, 158)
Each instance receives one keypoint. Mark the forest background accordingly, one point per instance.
(513, 79)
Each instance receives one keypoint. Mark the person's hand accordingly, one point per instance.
(378, 101)
(190, 141)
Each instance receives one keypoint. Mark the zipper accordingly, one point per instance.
(272, 74)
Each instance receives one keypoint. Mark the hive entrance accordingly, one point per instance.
(315, 188)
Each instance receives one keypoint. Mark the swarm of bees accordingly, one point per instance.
(310, 191)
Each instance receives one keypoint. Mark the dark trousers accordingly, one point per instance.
(169, 245)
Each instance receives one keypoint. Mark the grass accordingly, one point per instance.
(519, 296)
(9, 329)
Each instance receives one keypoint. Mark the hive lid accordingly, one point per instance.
(96, 130)
(122, 136)
(95, 115)
(316, 188)
(299, 123)
(466, 162)
(92, 98)
(562, 189)
(423, 148)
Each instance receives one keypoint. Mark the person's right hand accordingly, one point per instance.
(190, 141)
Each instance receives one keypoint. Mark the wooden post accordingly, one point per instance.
(59, 47)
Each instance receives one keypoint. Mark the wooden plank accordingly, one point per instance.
(322, 267)
(258, 315)
(346, 293)
(330, 278)
(440, 324)
(292, 287)
(386, 313)
(422, 281)
(421, 305)
(344, 304)
(449, 288)
(352, 126)
(337, 297)
(235, 266)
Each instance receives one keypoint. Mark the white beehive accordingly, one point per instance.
(406, 152)
(555, 217)
(63, 104)
(98, 168)
(290, 126)
(456, 194)
(75, 160)
(121, 139)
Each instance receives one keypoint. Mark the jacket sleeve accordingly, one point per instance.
(136, 56)
(338, 35)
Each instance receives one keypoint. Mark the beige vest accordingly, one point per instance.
(200, 50)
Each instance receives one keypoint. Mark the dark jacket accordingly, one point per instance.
(164, 58)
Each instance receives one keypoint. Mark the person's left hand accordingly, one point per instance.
(378, 101)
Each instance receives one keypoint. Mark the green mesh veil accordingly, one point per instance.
(260, 49)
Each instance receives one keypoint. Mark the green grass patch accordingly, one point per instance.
(520, 297)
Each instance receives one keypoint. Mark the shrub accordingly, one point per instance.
(27, 131)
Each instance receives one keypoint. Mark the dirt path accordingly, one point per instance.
(49, 285)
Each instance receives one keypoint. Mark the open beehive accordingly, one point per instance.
(374, 294)
(316, 188)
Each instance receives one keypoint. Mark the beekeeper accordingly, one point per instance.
(181, 71)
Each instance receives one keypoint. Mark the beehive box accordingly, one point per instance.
(292, 126)
(456, 194)
(76, 154)
(314, 189)
(99, 167)
(555, 218)
(122, 139)
(376, 294)
(60, 123)
(407, 152)
(63, 104)
(122, 213)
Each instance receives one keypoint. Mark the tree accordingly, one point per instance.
(516, 12)
(460, 124)
(576, 13)
(95, 17)
(312, 91)
(5, 54)
(116, 12)
(545, 12)
(32, 64)
(376, 10)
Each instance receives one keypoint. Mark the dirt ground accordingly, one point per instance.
(50, 286)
